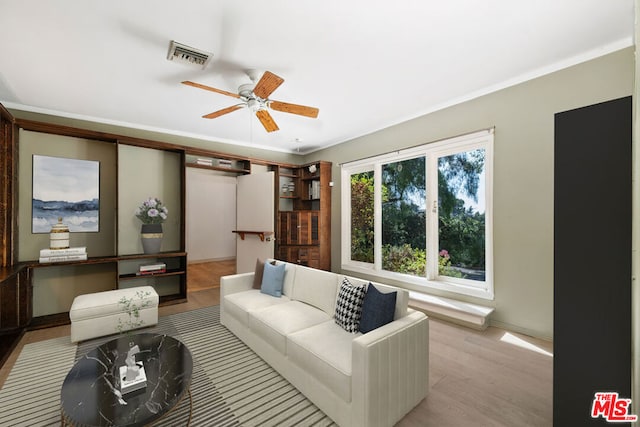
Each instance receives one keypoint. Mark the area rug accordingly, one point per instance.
(231, 385)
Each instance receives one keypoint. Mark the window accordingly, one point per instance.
(423, 215)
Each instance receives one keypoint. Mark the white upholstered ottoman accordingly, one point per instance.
(106, 313)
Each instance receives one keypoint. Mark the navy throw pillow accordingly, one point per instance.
(377, 309)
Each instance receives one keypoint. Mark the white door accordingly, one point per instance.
(255, 213)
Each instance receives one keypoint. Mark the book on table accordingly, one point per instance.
(138, 383)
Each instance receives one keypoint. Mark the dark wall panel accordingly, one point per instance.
(592, 258)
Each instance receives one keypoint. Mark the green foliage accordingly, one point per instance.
(461, 231)
(444, 266)
(404, 259)
(362, 217)
(131, 307)
(403, 210)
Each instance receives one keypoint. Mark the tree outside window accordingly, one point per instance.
(426, 216)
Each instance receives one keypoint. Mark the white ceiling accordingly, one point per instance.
(365, 64)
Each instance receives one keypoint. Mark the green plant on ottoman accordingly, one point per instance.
(132, 306)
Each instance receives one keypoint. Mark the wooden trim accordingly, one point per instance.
(8, 189)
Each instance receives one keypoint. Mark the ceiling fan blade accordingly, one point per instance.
(301, 110)
(267, 84)
(212, 89)
(266, 120)
(223, 111)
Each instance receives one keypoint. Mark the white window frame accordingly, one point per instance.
(431, 152)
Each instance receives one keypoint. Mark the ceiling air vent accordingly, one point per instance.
(189, 55)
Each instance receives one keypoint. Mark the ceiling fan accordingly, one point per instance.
(256, 98)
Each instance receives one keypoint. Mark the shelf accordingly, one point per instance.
(289, 197)
(260, 234)
(218, 168)
(105, 259)
(311, 178)
(133, 276)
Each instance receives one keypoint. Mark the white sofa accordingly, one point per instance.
(370, 379)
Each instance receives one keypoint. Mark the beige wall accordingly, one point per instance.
(101, 243)
(523, 117)
(144, 173)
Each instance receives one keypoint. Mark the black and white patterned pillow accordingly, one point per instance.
(349, 305)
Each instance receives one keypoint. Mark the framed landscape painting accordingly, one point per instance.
(66, 188)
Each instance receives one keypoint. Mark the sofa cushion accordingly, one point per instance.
(272, 279)
(324, 351)
(377, 309)
(289, 277)
(240, 304)
(274, 323)
(318, 288)
(349, 305)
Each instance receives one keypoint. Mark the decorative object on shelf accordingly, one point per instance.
(59, 236)
(152, 213)
(132, 375)
(62, 255)
(151, 237)
(313, 169)
(131, 307)
(153, 268)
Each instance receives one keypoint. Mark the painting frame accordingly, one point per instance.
(66, 188)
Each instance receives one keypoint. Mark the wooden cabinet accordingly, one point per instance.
(299, 227)
(304, 214)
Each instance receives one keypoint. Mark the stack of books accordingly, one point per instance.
(314, 190)
(62, 255)
(204, 162)
(153, 268)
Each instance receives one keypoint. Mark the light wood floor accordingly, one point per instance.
(206, 275)
(477, 378)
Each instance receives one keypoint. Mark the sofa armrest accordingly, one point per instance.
(390, 370)
(235, 283)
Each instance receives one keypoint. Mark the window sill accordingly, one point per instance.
(421, 284)
(463, 313)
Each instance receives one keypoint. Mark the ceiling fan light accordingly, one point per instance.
(254, 105)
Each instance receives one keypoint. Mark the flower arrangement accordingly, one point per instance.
(152, 211)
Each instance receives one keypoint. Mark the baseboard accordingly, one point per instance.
(202, 261)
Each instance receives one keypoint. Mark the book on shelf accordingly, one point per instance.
(152, 267)
(63, 258)
(314, 190)
(80, 250)
(151, 272)
(204, 162)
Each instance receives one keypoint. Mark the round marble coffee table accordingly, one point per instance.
(91, 395)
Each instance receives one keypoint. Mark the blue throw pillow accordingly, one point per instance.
(272, 279)
(377, 309)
